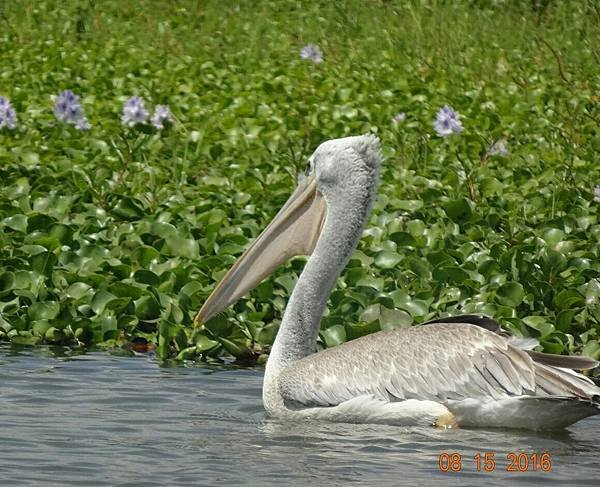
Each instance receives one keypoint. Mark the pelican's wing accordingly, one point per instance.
(435, 362)
(564, 361)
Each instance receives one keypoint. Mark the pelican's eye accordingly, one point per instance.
(309, 167)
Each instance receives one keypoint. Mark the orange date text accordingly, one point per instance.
(490, 461)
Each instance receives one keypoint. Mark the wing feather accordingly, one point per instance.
(434, 362)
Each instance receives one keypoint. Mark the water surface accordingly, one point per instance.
(99, 419)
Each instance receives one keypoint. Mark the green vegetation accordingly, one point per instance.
(116, 236)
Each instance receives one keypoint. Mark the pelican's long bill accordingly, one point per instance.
(294, 231)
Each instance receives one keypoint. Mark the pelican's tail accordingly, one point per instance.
(570, 394)
(562, 397)
(527, 412)
(561, 381)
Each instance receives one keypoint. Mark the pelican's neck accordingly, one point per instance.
(299, 328)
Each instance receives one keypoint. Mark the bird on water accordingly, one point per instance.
(457, 371)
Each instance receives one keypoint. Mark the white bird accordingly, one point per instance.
(453, 372)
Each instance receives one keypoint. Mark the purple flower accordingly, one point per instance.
(597, 194)
(161, 115)
(134, 111)
(312, 52)
(499, 148)
(447, 122)
(398, 118)
(8, 116)
(82, 124)
(68, 109)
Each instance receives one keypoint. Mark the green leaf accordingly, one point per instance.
(43, 263)
(591, 349)
(163, 229)
(25, 340)
(146, 255)
(554, 262)
(40, 327)
(40, 222)
(47, 310)
(490, 186)
(403, 239)
(147, 308)
(33, 249)
(553, 346)
(124, 290)
(19, 188)
(54, 335)
(203, 343)
(100, 300)
(128, 208)
(266, 335)
(510, 294)
(417, 308)
(62, 233)
(416, 227)
(191, 288)
(394, 318)
(16, 222)
(334, 335)
(564, 320)
(7, 282)
(357, 330)
(219, 326)
(237, 349)
(372, 282)
(287, 282)
(450, 274)
(144, 276)
(458, 210)
(78, 290)
(183, 247)
(568, 298)
(370, 313)
(387, 259)
(540, 324)
(552, 236)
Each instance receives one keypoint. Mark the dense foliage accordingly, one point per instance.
(114, 236)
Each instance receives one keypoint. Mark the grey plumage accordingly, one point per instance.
(461, 370)
(438, 362)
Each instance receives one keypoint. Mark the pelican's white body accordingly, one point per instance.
(443, 374)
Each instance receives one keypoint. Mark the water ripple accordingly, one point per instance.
(98, 419)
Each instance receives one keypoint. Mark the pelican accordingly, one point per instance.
(458, 371)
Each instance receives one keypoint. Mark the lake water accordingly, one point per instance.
(100, 419)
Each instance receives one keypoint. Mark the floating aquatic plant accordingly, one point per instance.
(161, 115)
(68, 109)
(8, 115)
(312, 52)
(499, 148)
(447, 122)
(399, 118)
(134, 112)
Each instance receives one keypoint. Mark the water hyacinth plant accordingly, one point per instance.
(161, 115)
(499, 148)
(157, 243)
(68, 109)
(134, 112)
(447, 122)
(312, 52)
(8, 115)
(399, 118)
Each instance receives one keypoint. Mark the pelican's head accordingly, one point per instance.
(342, 174)
(344, 167)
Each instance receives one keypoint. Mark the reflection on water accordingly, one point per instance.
(100, 419)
